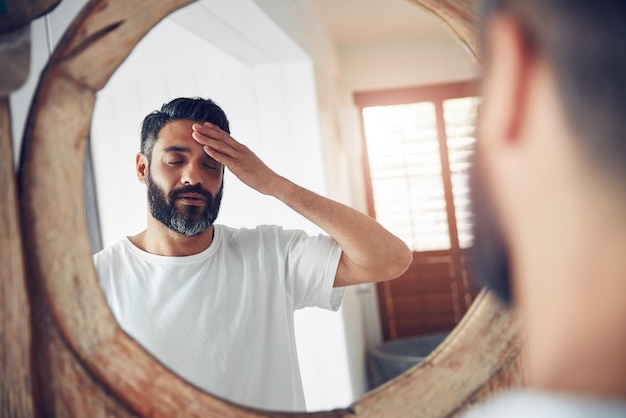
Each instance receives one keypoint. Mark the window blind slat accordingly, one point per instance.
(405, 170)
(460, 118)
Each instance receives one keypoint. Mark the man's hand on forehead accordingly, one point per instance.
(239, 159)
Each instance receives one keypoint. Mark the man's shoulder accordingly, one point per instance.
(527, 403)
(111, 251)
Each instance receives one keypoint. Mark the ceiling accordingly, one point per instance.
(353, 22)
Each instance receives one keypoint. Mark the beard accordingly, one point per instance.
(189, 220)
(490, 254)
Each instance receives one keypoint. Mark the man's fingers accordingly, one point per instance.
(224, 149)
(214, 144)
(214, 137)
(218, 156)
(212, 131)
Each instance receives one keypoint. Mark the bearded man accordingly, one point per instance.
(215, 304)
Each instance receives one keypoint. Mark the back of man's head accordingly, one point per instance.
(196, 109)
(549, 190)
(582, 41)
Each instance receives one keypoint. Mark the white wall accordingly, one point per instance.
(299, 19)
(363, 67)
(406, 62)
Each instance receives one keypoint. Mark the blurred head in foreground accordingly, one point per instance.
(549, 186)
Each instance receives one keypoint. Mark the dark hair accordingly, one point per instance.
(583, 42)
(196, 109)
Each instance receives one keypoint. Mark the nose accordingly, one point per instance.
(191, 174)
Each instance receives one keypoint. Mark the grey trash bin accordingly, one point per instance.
(392, 358)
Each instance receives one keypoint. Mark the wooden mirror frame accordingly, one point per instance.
(84, 364)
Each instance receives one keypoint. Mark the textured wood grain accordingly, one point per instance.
(79, 347)
(15, 371)
(103, 35)
(461, 17)
(478, 359)
(68, 389)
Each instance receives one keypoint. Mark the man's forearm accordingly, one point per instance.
(370, 252)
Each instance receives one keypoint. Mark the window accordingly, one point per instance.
(419, 143)
(460, 121)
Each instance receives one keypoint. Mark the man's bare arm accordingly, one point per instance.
(370, 252)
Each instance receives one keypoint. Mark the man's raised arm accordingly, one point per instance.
(370, 252)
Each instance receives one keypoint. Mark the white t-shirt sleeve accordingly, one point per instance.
(310, 267)
(536, 404)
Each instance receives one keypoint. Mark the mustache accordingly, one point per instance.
(191, 189)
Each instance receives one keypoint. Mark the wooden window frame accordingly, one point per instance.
(464, 291)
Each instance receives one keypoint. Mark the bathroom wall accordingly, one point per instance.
(340, 72)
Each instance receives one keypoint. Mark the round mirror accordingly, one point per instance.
(479, 356)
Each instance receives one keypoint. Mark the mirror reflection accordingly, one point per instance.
(321, 93)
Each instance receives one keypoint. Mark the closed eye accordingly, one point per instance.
(210, 163)
(177, 162)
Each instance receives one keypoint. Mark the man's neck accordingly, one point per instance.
(581, 354)
(572, 306)
(160, 240)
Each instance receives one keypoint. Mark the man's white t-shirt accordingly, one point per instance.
(537, 404)
(223, 318)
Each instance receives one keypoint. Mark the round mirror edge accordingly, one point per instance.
(364, 407)
(460, 17)
(466, 374)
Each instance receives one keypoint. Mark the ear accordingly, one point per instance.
(141, 166)
(509, 60)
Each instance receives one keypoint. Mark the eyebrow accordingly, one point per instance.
(177, 148)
